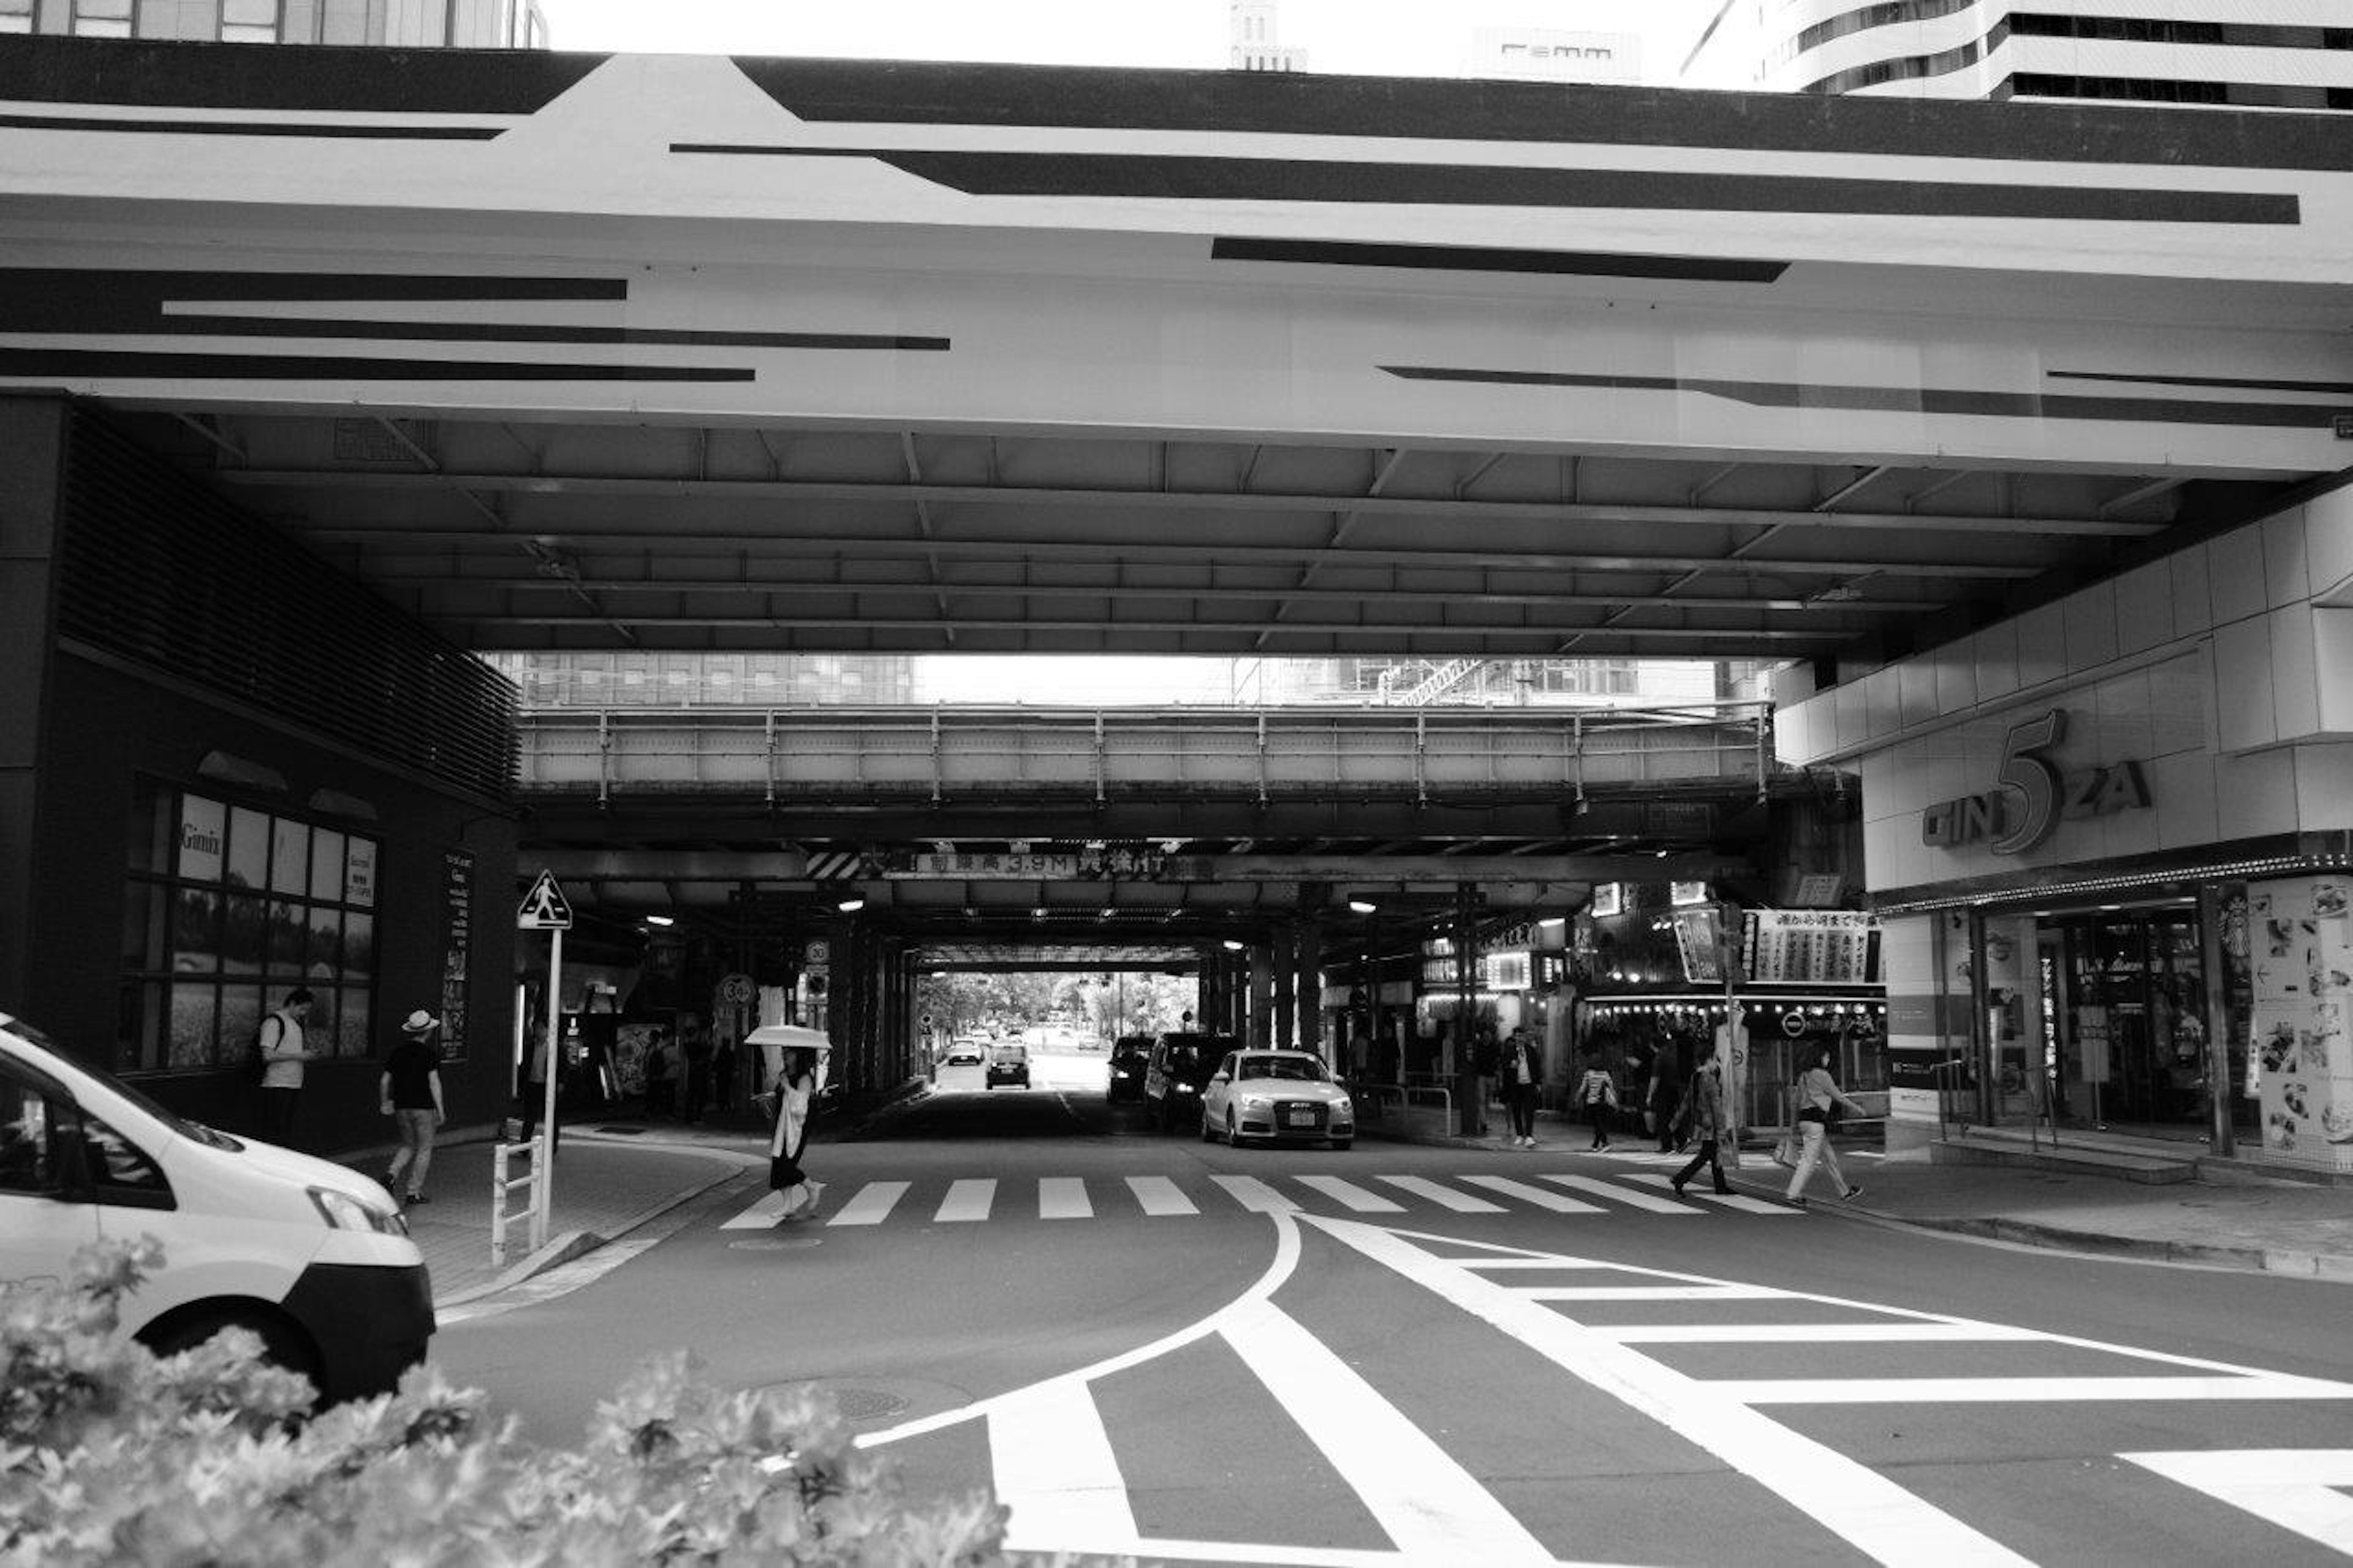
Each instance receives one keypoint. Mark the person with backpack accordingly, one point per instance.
(1705, 1102)
(283, 1050)
(1597, 1092)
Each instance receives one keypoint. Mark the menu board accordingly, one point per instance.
(1830, 947)
(2300, 944)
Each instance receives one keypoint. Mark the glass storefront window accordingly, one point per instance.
(227, 907)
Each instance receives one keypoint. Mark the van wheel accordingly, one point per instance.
(282, 1344)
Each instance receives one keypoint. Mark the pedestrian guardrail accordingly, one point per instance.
(1397, 1107)
(503, 1188)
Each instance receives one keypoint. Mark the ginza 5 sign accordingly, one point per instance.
(2034, 794)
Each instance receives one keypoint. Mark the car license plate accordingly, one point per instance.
(1300, 1116)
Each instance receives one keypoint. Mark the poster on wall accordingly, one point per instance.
(2300, 946)
(457, 945)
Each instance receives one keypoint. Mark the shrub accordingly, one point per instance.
(110, 1454)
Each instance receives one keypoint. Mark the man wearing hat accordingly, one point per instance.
(411, 1093)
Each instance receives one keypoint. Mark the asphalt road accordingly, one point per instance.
(1400, 1354)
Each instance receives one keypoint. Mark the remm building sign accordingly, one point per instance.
(2034, 794)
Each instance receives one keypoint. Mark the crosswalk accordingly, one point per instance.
(1053, 1450)
(976, 1200)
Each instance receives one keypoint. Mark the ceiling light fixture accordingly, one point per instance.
(1362, 906)
(850, 906)
(659, 920)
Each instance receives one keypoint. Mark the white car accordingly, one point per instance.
(1276, 1095)
(312, 1257)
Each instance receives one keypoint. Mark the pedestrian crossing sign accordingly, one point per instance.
(545, 908)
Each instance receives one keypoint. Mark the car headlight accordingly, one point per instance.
(1342, 1107)
(344, 1212)
(1257, 1102)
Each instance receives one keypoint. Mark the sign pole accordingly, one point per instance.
(543, 1190)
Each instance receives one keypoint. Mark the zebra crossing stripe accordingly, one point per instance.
(2295, 1488)
(2022, 1390)
(1054, 1467)
(1354, 1196)
(1740, 1201)
(1432, 1509)
(768, 1209)
(1652, 1293)
(873, 1204)
(1159, 1195)
(1063, 1197)
(1616, 1193)
(1536, 1196)
(1255, 1194)
(1444, 1197)
(968, 1201)
(1805, 1333)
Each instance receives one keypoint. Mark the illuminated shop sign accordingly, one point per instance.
(2034, 794)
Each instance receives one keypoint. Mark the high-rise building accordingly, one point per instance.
(1549, 54)
(391, 24)
(1257, 43)
(2254, 54)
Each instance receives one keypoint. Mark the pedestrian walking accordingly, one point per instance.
(1485, 1058)
(410, 1090)
(1597, 1092)
(534, 1095)
(1660, 1096)
(1817, 1092)
(1705, 1102)
(284, 1050)
(1522, 1070)
(799, 1073)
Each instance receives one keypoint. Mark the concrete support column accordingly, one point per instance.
(32, 451)
(1468, 1111)
(1282, 969)
(1307, 956)
(1259, 1001)
(841, 1000)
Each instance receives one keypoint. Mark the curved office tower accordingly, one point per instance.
(2262, 54)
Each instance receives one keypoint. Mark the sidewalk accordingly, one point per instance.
(2277, 1226)
(611, 1176)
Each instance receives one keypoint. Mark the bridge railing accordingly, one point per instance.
(780, 752)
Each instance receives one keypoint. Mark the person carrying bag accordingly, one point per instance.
(1597, 1093)
(1819, 1097)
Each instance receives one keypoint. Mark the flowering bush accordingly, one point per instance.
(110, 1454)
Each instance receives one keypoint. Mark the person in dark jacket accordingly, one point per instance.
(1705, 1100)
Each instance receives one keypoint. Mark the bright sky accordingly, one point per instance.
(1381, 37)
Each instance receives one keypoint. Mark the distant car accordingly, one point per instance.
(1276, 1096)
(965, 1054)
(1129, 1058)
(1008, 1064)
(1180, 1064)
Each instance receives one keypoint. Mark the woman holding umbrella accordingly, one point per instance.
(795, 1062)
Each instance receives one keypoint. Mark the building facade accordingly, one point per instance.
(1257, 38)
(2111, 844)
(390, 24)
(1553, 54)
(2256, 54)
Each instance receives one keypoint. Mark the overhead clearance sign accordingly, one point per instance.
(2033, 795)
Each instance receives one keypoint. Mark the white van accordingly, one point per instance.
(312, 1257)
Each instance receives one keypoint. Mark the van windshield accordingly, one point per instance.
(132, 1092)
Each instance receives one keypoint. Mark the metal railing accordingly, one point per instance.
(1404, 1099)
(933, 754)
(502, 1188)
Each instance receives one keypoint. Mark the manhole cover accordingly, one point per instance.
(776, 1244)
(856, 1404)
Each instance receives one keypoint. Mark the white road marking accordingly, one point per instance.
(1844, 1496)
(1536, 1196)
(2295, 1488)
(1255, 1194)
(1649, 1292)
(1353, 1195)
(968, 1201)
(1432, 1509)
(1444, 1197)
(1159, 1195)
(1805, 1333)
(873, 1204)
(561, 1280)
(2023, 1390)
(1620, 1192)
(1063, 1197)
(762, 1214)
(1054, 1468)
(1740, 1201)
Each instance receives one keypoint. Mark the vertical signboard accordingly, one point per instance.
(457, 947)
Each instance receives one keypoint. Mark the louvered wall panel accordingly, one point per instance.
(161, 571)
